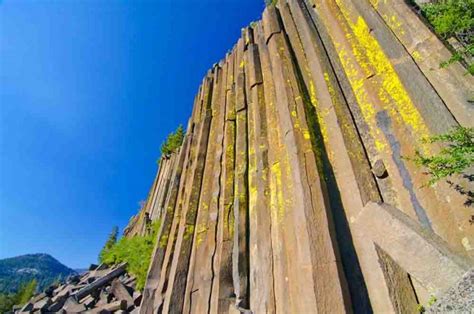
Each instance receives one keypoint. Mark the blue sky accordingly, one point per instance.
(88, 91)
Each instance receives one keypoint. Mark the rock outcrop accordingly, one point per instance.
(291, 192)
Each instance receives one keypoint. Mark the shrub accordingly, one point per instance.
(135, 251)
(458, 56)
(455, 158)
(110, 242)
(450, 17)
(7, 301)
(26, 292)
(453, 18)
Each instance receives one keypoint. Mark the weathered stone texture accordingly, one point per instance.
(296, 137)
(458, 299)
(99, 290)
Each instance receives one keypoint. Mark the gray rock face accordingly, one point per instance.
(458, 299)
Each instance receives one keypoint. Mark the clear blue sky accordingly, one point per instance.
(88, 91)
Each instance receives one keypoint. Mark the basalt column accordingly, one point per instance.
(291, 192)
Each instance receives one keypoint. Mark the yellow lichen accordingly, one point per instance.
(278, 203)
(394, 97)
(312, 94)
(416, 55)
(394, 24)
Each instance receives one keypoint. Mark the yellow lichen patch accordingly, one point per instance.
(375, 3)
(394, 24)
(391, 91)
(253, 195)
(278, 203)
(252, 167)
(242, 64)
(163, 241)
(323, 125)
(188, 232)
(366, 107)
(251, 151)
(416, 55)
(201, 229)
(312, 94)
(306, 134)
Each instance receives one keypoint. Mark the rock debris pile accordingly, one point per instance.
(102, 289)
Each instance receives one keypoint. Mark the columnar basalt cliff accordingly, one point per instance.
(291, 193)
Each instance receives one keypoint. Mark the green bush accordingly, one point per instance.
(135, 251)
(111, 241)
(7, 301)
(450, 18)
(458, 56)
(173, 142)
(455, 158)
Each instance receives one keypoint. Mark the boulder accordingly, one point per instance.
(120, 292)
(71, 305)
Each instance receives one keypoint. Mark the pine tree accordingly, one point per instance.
(26, 292)
(110, 243)
(173, 141)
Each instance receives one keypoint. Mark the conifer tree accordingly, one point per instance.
(110, 243)
(26, 292)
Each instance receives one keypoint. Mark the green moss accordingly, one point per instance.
(135, 251)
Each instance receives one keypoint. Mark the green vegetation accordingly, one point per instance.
(450, 17)
(271, 2)
(8, 300)
(26, 292)
(431, 301)
(111, 241)
(456, 157)
(135, 251)
(458, 56)
(173, 142)
(453, 18)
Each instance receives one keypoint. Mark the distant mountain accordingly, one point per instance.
(43, 267)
